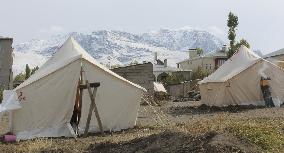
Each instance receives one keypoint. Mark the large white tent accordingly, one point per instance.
(47, 98)
(237, 81)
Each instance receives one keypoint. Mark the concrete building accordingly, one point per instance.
(147, 73)
(141, 74)
(6, 62)
(209, 62)
(179, 90)
(161, 70)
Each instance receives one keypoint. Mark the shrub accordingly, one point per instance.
(199, 74)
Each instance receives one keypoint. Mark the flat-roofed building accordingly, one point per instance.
(209, 61)
(6, 62)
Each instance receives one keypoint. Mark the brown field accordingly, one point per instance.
(177, 127)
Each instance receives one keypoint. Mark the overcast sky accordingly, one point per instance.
(261, 22)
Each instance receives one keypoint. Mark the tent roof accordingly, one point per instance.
(240, 61)
(69, 52)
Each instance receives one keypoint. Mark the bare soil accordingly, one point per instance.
(169, 141)
(172, 127)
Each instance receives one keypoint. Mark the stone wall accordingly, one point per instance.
(187, 75)
(141, 74)
(178, 90)
(6, 62)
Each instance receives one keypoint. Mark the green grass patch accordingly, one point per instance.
(268, 137)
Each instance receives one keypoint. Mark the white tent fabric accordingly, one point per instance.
(237, 81)
(159, 87)
(117, 102)
(10, 101)
(49, 96)
(236, 64)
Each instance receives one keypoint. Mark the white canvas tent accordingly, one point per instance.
(237, 81)
(48, 96)
(159, 87)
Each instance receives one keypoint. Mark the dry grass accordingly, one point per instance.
(214, 132)
(76, 145)
(267, 134)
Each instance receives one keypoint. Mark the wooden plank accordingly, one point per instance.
(77, 103)
(97, 112)
(81, 93)
(92, 85)
(76, 111)
(90, 110)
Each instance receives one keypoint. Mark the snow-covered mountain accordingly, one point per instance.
(120, 47)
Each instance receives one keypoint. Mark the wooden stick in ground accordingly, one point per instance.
(97, 113)
(92, 107)
(90, 111)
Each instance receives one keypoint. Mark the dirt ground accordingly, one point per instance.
(177, 127)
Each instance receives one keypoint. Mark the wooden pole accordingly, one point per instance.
(92, 107)
(81, 94)
(97, 112)
(90, 112)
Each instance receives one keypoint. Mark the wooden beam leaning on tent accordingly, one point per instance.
(93, 106)
(75, 120)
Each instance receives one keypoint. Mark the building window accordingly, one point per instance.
(221, 62)
(208, 66)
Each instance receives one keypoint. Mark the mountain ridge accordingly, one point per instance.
(119, 47)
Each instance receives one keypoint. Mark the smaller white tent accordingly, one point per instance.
(10, 101)
(48, 97)
(237, 81)
(159, 87)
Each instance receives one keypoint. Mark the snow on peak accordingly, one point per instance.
(122, 46)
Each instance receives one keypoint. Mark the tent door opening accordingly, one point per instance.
(266, 91)
(76, 116)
